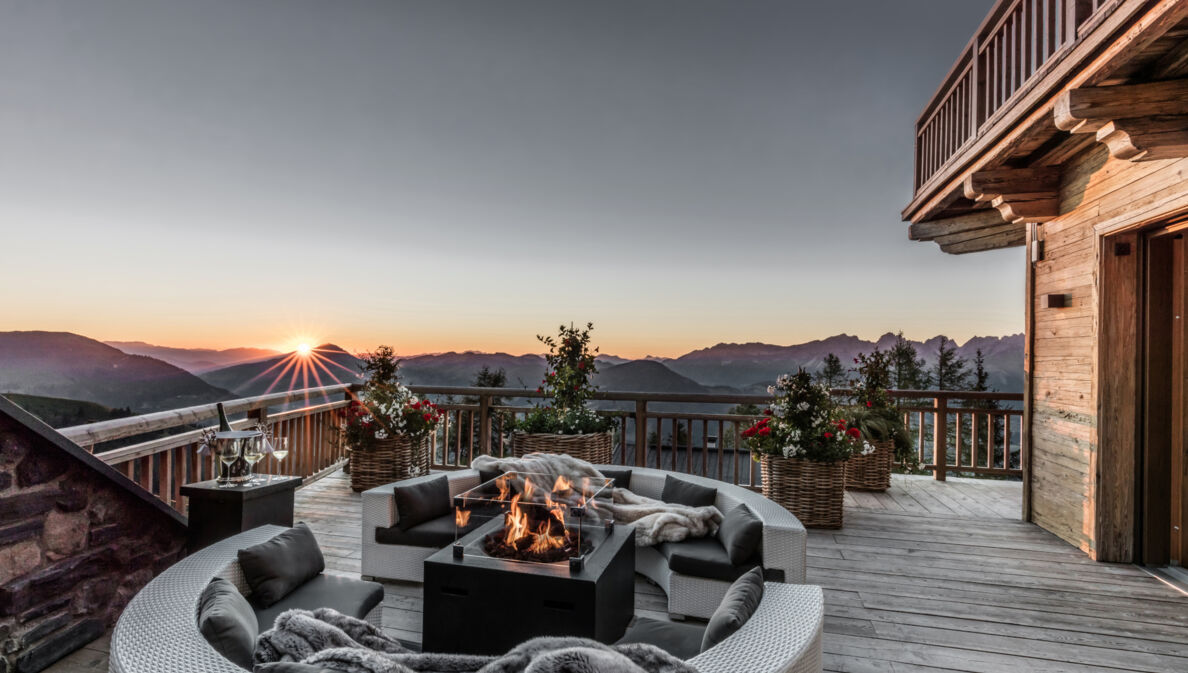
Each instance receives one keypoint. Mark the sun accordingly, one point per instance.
(304, 349)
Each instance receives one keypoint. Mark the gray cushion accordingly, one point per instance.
(740, 534)
(740, 602)
(227, 622)
(703, 557)
(681, 640)
(622, 476)
(683, 492)
(421, 500)
(348, 596)
(437, 533)
(488, 475)
(280, 565)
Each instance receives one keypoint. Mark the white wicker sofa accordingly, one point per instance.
(158, 630)
(782, 550)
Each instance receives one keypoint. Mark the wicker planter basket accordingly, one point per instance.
(388, 460)
(871, 472)
(593, 448)
(814, 492)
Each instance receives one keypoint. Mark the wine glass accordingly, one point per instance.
(280, 450)
(228, 452)
(253, 452)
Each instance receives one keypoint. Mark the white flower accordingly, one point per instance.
(380, 434)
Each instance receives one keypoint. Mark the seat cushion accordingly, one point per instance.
(290, 667)
(421, 501)
(227, 621)
(737, 606)
(436, 533)
(740, 534)
(676, 638)
(280, 565)
(703, 557)
(348, 596)
(622, 476)
(488, 475)
(681, 492)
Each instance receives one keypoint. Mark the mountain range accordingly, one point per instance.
(64, 365)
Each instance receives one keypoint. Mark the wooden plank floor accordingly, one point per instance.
(927, 577)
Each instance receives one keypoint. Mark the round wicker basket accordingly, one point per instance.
(871, 472)
(388, 460)
(814, 492)
(594, 448)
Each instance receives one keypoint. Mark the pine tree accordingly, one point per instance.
(907, 367)
(832, 374)
(981, 383)
(951, 371)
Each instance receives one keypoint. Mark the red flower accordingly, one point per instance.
(581, 365)
(868, 405)
(575, 387)
(767, 412)
(854, 432)
(552, 374)
(428, 417)
(540, 390)
(765, 431)
(828, 435)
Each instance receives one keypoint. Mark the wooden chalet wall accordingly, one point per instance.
(1085, 380)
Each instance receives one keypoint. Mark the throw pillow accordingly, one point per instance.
(421, 501)
(740, 602)
(622, 476)
(740, 533)
(275, 568)
(227, 621)
(684, 492)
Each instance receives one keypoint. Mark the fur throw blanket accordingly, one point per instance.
(657, 521)
(336, 642)
(654, 521)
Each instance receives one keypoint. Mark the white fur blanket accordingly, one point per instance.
(654, 521)
(332, 641)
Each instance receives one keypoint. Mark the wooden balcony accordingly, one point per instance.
(988, 140)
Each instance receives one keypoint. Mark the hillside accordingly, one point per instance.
(326, 365)
(65, 365)
(749, 366)
(62, 413)
(194, 360)
(646, 376)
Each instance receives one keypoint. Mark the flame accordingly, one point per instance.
(535, 537)
(461, 516)
(562, 485)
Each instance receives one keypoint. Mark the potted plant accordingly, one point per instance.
(387, 427)
(881, 423)
(802, 446)
(567, 424)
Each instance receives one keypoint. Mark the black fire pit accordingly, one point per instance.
(478, 602)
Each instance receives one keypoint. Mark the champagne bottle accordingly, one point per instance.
(224, 424)
(238, 471)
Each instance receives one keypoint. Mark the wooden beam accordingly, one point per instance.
(1014, 237)
(948, 240)
(1146, 138)
(1088, 109)
(1018, 194)
(977, 220)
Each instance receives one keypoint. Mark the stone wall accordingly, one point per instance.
(76, 544)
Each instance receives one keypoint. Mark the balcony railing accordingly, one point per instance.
(1014, 47)
(691, 433)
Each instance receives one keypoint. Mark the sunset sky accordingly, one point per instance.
(452, 175)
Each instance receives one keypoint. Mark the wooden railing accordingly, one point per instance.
(974, 440)
(1014, 47)
(691, 433)
(162, 464)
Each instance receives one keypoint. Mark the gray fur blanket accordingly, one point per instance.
(336, 642)
(654, 521)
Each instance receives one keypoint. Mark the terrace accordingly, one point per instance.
(937, 573)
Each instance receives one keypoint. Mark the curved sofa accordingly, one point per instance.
(158, 630)
(782, 548)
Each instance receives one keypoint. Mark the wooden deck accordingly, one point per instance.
(928, 577)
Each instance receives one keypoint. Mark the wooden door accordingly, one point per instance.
(1165, 463)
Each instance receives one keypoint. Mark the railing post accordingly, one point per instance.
(940, 436)
(485, 424)
(641, 433)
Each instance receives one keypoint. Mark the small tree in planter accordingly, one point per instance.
(802, 447)
(874, 413)
(567, 425)
(387, 427)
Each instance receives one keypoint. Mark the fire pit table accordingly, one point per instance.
(534, 555)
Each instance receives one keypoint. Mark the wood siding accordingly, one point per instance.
(1083, 439)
